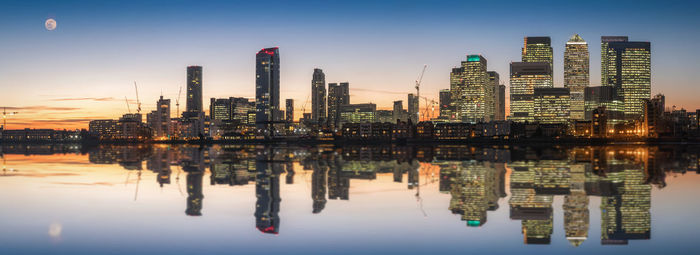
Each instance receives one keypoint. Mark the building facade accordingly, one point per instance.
(194, 89)
(267, 87)
(628, 70)
(318, 96)
(576, 74)
(338, 95)
(472, 98)
(524, 78)
(552, 105)
(538, 49)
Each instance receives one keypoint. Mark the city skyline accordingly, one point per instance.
(91, 81)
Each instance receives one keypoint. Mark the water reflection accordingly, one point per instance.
(475, 178)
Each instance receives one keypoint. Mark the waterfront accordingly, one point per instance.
(448, 199)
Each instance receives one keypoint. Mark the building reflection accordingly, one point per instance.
(474, 177)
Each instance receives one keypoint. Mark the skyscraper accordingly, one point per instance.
(551, 105)
(398, 111)
(445, 104)
(267, 87)
(501, 114)
(576, 73)
(628, 70)
(495, 108)
(289, 110)
(604, 40)
(538, 49)
(338, 95)
(194, 89)
(318, 96)
(159, 119)
(471, 94)
(413, 102)
(524, 78)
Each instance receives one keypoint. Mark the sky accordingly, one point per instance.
(86, 67)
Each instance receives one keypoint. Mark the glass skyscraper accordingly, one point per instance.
(552, 105)
(471, 96)
(524, 78)
(318, 96)
(576, 74)
(194, 89)
(628, 70)
(538, 49)
(338, 95)
(267, 87)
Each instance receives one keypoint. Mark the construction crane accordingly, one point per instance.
(418, 81)
(138, 102)
(127, 104)
(4, 117)
(428, 112)
(177, 102)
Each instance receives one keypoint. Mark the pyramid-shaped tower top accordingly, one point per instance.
(576, 38)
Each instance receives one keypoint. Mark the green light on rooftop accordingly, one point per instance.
(473, 223)
(473, 58)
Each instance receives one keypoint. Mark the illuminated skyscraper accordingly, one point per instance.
(576, 73)
(318, 96)
(603, 96)
(159, 119)
(413, 102)
(628, 70)
(496, 109)
(267, 87)
(552, 105)
(538, 49)
(194, 89)
(471, 95)
(338, 95)
(524, 78)
(604, 59)
(220, 109)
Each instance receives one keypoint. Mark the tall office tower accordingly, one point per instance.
(445, 104)
(289, 110)
(576, 73)
(413, 102)
(338, 95)
(494, 107)
(472, 96)
(456, 89)
(194, 89)
(267, 87)
(538, 49)
(604, 41)
(628, 70)
(162, 128)
(524, 78)
(318, 96)
(501, 102)
(220, 109)
(398, 111)
(552, 105)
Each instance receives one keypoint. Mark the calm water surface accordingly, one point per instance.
(623, 199)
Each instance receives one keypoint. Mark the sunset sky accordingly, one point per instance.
(84, 68)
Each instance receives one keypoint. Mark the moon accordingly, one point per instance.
(50, 24)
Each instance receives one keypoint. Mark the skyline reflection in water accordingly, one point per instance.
(551, 195)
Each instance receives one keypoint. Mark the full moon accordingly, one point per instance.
(50, 24)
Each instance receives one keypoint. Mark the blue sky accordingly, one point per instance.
(100, 47)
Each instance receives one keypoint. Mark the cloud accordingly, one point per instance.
(39, 108)
(379, 91)
(98, 99)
